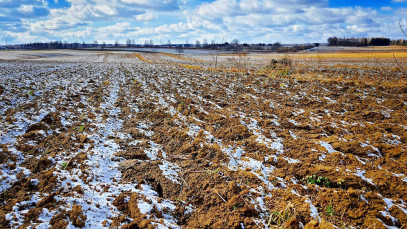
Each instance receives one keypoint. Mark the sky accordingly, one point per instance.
(181, 21)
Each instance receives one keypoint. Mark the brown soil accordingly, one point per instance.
(200, 119)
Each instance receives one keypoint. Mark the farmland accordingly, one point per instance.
(154, 140)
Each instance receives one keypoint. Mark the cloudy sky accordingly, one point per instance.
(252, 21)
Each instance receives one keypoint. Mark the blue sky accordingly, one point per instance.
(252, 21)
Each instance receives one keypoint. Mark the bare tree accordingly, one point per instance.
(235, 44)
(179, 49)
(241, 62)
(197, 44)
(215, 53)
(395, 59)
(205, 43)
(213, 43)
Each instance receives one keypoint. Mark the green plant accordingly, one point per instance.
(82, 128)
(344, 226)
(340, 182)
(282, 85)
(136, 82)
(278, 218)
(31, 92)
(212, 171)
(318, 180)
(64, 165)
(5, 193)
(330, 210)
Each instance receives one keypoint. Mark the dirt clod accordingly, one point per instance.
(77, 216)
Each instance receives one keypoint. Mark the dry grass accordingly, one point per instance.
(193, 67)
(352, 55)
(372, 53)
(182, 57)
(142, 58)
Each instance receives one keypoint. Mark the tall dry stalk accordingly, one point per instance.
(395, 59)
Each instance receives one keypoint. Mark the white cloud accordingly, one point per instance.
(386, 8)
(355, 28)
(26, 8)
(116, 28)
(101, 10)
(81, 34)
(291, 21)
(160, 5)
(145, 17)
(300, 20)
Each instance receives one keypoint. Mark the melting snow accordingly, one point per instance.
(327, 146)
(314, 210)
(170, 171)
(360, 173)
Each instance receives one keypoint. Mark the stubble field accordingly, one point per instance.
(143, 140)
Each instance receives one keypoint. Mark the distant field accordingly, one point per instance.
(156, 140)
(358, 55)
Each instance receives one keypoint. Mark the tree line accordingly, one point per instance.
(357, 42)
(52, 45)
(234, 45)
(400, 42)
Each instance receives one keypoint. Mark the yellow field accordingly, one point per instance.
(355, 55)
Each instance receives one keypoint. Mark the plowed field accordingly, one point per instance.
(124, 140)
